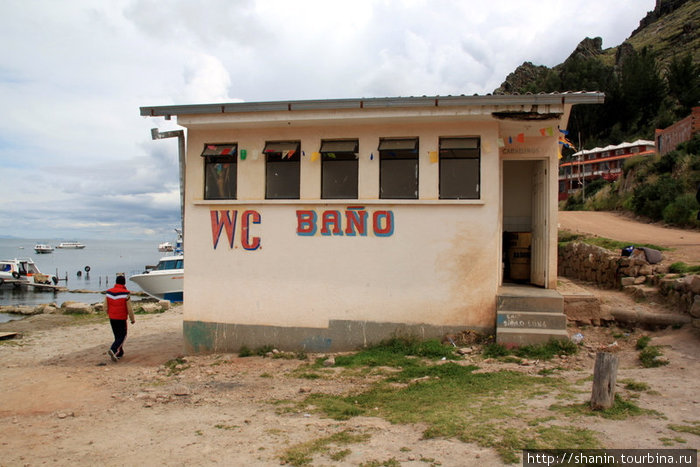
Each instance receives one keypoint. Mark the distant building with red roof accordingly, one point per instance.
(606, 163)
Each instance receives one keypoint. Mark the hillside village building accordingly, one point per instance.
(606, 163)
(326, 225)
(680, 132)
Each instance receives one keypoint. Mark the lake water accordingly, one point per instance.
(105, 258)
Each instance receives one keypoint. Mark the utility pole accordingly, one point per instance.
(180, 135)
(583, 185)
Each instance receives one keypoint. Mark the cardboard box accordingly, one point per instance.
(518, 239)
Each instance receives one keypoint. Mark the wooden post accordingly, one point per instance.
(604, 379)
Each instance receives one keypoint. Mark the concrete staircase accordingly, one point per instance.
(529, 315)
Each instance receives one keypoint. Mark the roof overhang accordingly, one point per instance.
(490, 107)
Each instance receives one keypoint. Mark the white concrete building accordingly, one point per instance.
(331, 224)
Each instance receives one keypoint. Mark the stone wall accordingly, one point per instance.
(633, 274)
(605, 268)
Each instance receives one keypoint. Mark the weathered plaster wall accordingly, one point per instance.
(436, 271)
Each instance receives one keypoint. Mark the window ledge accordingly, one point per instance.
(364, 202)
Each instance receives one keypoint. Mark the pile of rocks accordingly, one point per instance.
(79, 308)
(681, 292)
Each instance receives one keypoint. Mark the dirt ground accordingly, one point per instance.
(65, 403)
(685, 244)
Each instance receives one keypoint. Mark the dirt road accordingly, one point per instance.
(64, 403)
(685, 243)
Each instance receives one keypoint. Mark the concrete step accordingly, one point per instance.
(543, 302)
(520, 337)
(530, 320)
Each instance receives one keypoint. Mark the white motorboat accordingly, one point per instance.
(43, 248)
(165, 247)
(19, 271)
(71, 245)
(165, 281)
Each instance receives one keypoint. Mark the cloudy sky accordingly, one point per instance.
(76, 159)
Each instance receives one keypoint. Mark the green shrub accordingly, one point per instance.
(682, 268)
(649, 356)
(682, 211)
(643, 342)
(544, 351)
(650, 199)
(494, 350)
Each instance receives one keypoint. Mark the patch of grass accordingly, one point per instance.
(311, 376)
(545, 351)
(540, 420)
(264, 350)
(244, 351)
(565, 236)
(672, 441)
(642, 342)
(454, 402)
(175, 366)
(391, 462)
(607, 243)
(693, 428)
(683, 268)
(141, 311)
(650, 357)
(302, 454)
(621, 410)
(395, 352)
(340, 455)
(221, 426)
(616, 245)
(632, 385)
(494, 350)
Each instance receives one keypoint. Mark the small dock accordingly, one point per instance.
(21, 283)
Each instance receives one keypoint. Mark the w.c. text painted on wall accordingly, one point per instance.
(225, 221)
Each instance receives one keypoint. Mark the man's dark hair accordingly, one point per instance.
(121, 280)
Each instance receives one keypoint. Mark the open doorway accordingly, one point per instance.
(525, 212)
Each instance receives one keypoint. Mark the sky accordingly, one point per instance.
(77, 160)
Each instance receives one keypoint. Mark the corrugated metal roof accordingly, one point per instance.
(612, 147)
(376, 103)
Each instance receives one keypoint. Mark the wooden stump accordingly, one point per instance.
(604, 379)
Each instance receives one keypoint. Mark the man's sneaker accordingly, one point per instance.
(112, 355)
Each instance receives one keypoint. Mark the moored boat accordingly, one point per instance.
(165, 281)
(43, 248)
(165, 247)
(71, 245)
(19, 271)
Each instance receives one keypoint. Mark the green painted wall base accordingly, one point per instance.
(341, 335)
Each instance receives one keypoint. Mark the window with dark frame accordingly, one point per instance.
(339, 165)
(220, 176)
(282, 169)
(460, 168)
(398, 168)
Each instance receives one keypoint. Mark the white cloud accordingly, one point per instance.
(206, 80)
(73, 75)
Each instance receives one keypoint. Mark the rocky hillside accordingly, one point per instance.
(650, 81)
(672, 29)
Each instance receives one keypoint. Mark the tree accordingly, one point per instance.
(643, 90)
(683, 80)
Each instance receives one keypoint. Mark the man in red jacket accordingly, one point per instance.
(118, 308)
